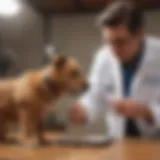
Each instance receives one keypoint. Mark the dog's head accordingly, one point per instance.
(65, 72)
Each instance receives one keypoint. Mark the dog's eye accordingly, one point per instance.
(74, 74)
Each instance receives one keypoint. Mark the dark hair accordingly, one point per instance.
(119, 13)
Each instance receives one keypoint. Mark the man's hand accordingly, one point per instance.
(132, 109)
(78, 114)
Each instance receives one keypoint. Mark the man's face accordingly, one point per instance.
(124, 44)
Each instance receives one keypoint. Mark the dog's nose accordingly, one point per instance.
(85, 87)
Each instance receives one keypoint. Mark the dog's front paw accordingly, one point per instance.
(29, 143)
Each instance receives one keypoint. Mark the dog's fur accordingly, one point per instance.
(25, 99)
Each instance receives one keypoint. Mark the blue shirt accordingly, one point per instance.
(128, 72)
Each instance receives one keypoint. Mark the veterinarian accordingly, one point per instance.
(124, 78)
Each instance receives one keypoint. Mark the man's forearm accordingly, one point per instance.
(133, 109)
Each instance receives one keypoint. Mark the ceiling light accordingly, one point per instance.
(9, 7)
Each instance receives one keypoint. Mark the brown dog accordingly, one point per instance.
(25, 99)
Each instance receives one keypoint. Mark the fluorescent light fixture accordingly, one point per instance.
(9, 7)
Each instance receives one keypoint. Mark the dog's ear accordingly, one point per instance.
(59, 61)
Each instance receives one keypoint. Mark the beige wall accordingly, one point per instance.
(76, 35)
(23, 34)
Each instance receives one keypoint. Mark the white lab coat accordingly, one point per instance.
(106, 83)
